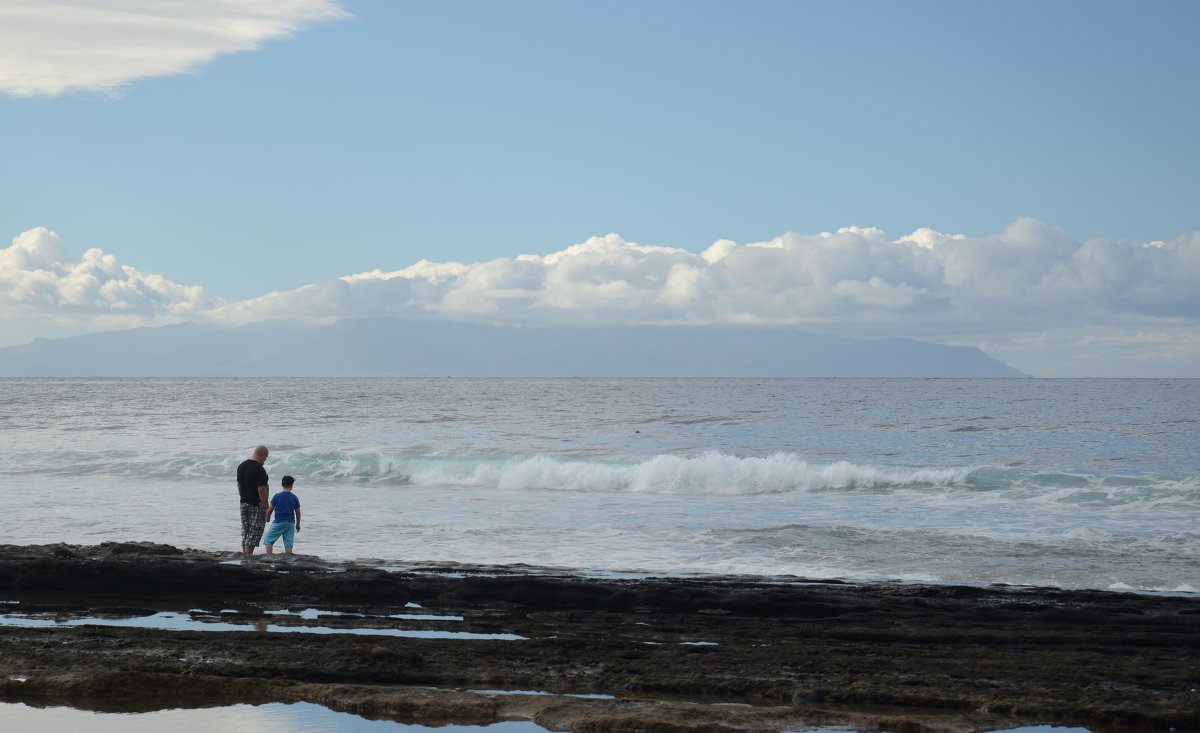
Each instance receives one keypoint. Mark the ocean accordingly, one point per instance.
(1067, 483)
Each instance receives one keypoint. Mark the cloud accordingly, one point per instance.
(1102, 351)
(48, 47)
(1029, 290)
(1030, 277)
(39, 278)
(1141, 337)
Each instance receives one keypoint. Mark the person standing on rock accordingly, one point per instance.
(286, 507)
(252, 490)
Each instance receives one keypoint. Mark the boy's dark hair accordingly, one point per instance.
(288, 481)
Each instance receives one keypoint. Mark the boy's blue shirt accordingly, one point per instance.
(286, 503)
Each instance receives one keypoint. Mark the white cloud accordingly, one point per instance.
(1030, 294)
(48, 47)
(929, 238)
(927, 284)
(39, 278)
(685, 285)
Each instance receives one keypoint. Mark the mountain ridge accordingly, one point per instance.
(406, 348)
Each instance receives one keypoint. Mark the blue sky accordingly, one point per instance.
(377, 134)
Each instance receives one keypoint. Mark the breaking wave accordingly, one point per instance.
(710, 473)
(706, 473)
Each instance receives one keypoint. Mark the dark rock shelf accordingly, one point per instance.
(669, 654)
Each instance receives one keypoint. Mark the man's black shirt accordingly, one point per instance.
(250, 476)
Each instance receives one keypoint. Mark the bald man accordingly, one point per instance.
(252, 490)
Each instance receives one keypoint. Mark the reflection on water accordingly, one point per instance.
(315, 613)
(170, 621)
(300, 717)
(581, 695)
(1022, 729)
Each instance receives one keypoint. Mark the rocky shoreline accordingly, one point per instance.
(474, 645)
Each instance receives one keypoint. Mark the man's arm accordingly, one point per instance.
(262, 497)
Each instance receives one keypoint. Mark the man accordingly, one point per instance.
(252, 490)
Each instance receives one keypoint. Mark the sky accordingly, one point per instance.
(1020, 176)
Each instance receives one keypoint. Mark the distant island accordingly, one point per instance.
(370, 347)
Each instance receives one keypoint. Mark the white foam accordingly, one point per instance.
(707, 473)
(703, 473)
(710, 472)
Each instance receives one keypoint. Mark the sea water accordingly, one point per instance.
(297, 717)
(1069, 483)
(300, 717)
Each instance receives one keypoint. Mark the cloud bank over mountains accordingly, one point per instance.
(1005, 290)
(1031, 276)
(48, 47)
(38, 277)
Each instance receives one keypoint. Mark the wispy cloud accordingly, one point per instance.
(48, 47)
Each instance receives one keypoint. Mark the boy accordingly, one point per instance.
(286, 507)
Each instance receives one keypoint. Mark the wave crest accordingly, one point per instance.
(709, 473)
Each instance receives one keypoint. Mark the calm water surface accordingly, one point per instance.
(273, 718)
(298, 717)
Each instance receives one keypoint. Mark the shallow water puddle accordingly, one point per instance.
(300, 717)
(315, 613)
(1022, 729)
(171, 621)
(581, 695)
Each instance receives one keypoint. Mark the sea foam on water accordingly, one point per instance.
(858, 479)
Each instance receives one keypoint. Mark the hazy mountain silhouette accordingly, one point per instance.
(392, 347)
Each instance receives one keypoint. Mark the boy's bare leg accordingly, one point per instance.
(270, 549)
(287, 551)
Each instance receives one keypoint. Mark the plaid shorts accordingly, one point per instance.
(253, 520)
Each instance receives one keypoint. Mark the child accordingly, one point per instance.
(286, 507)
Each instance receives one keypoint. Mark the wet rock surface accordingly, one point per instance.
(657, 654)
